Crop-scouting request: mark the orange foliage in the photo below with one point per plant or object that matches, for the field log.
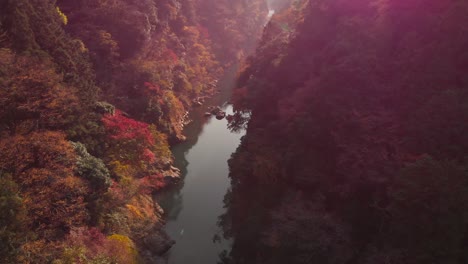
(89, 245)
(151, 183)
(42, 165)
(125, 251)
(34, 96)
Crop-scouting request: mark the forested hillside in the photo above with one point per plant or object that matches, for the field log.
(357, 137)
(92, 92)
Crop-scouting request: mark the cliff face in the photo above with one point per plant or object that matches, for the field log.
(355, 147)
(92, 93)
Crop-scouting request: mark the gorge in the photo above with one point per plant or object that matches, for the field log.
(341, 136)
(93, 96)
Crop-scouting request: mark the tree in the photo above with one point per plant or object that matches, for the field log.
(429, 200)
(12, 218)
(42, 165)
(91, 168)
(34, 95)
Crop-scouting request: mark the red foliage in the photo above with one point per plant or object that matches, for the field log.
(91, 245)
(42, 164)
(91, 238)
(152, 183)
(204, 31)
(152, 88)
(124, 128)
(172, 56)
(117, 193)
(149, 156)
(135, 141)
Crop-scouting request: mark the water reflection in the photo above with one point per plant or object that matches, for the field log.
(192, 208)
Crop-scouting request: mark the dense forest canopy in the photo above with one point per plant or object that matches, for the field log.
(355, 115)
(356, 144)
(92, 93)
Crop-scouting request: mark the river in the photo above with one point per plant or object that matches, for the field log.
(192, 209)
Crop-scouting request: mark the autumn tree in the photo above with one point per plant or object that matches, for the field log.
(12, 218)
(42, 164)
(358, 107)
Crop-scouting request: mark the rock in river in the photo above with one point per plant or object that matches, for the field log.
(172, 174)
(158, 242)
(220, 115)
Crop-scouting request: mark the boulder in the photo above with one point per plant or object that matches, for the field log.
(172, 168)
(180, 138)
(216, 110)
(220, 115)
(158, 242)
(171, 175)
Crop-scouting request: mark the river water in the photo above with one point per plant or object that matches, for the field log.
(192, 209)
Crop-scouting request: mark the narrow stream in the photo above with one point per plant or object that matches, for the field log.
(192, 209)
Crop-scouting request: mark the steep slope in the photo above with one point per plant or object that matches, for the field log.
(356, 137)
(92, 93)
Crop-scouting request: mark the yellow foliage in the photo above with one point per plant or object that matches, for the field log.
(135, 211)
(107, 43)
(126, 181)
(125, 250)
(161, 148)
(81, 46)
(199, 48)
(145, 206)
(72, 255)
(125, 240)
(120, 169)
(192, 32)
(63, 17)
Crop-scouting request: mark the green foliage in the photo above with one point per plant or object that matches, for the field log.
(11, 218)
(91, 168)
(105, 108)
(11, 202)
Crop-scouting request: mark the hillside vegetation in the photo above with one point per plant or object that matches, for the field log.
(356, 145)
(92, 92)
